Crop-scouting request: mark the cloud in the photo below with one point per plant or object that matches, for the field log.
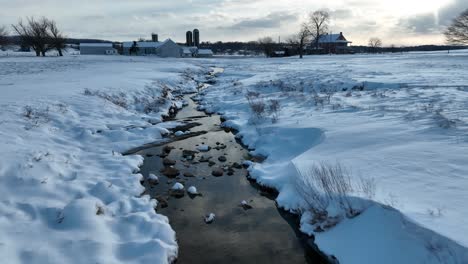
(448, 13)
(422, 24)
(272, 20)
(433, 23)
(341, 14)
(229, 19)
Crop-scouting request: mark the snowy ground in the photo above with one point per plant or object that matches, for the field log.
(400, 119)
(68, 196)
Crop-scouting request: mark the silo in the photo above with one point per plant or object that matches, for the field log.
(189, 37)
(196, 37)
(154, 37)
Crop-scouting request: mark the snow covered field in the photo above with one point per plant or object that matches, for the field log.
(398, 122)
(68, 196)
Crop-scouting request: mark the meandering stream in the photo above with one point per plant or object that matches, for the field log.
(261, 234)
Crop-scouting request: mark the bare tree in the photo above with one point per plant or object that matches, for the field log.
(375, 43)
(3, 36)
(301, 39)
(57, 39)
(34, 33)
(318, 25)
(457, 33)
(267, 45)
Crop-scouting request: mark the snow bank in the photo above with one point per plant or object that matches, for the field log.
(68, 195)
(400, 120)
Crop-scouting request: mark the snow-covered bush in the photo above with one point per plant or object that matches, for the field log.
(119, 99)
(443, 121)
(274, 109)
(328, 190)
(36, 116)
(256, 103)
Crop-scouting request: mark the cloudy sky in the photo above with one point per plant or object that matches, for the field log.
(399, 22)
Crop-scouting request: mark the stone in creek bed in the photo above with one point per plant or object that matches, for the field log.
(230, 172)
(162, 201)
(222, 158)
(189, 154)
(177, 193)
(236, 165)
(189, 175)
(170, 172)
(220, 147)
(246, 206)
(167, 149)
(205, 159)
(211, 163)
(218, 172)
(169, 162)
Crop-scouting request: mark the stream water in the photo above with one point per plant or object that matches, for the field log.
(262, 234)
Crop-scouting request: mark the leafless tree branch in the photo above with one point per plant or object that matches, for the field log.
(3, 36)
(40, 34)
(301, 39)
(457, 33)
(318, 25)
(374, 44)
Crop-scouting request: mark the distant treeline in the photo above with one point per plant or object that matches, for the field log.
(394, 49)
(16, 40)
(255, 47)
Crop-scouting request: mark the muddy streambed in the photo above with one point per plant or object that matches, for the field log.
(261, 234)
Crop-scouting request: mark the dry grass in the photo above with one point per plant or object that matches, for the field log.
(324, 185)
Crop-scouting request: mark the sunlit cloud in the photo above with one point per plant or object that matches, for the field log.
(399, 22)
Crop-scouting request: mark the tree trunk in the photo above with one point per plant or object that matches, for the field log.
(38, 53)
(60, 52)
(43, 53)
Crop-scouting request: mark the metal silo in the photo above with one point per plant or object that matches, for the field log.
(189, 37)
(154, 37)
(196, 37)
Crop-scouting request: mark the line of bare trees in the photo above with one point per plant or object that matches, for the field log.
(40, 34)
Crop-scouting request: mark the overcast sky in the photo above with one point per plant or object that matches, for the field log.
(399, 22)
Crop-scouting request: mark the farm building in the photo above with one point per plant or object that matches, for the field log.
(204, 53)
(189, 52)
(97, 49)
(334, 43)
(167, 48)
